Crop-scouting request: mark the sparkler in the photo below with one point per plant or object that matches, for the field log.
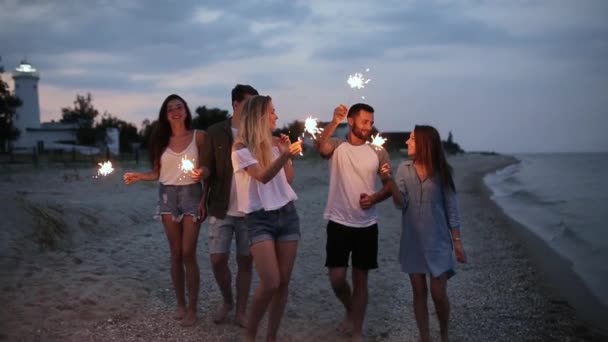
(357, 81)
(105, 168)
(310, 127)
(377, 141)
(187, 165)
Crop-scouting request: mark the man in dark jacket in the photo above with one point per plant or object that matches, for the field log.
(225, 221)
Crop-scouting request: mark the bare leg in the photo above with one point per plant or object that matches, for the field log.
(243, 284)
(173, 230)
(337, 278)
(419, 290)
(359, 302)
(442, 304)
(267, 267)
(286, 256)
(223, 277)
(189, 242)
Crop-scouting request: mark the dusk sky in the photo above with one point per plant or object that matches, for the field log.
(508, 76)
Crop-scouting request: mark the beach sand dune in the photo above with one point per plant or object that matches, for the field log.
(82, 259)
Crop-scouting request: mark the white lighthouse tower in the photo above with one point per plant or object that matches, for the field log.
(28, 114)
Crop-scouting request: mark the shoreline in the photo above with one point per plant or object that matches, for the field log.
(561, 282)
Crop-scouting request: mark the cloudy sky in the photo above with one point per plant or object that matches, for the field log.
(509, 76)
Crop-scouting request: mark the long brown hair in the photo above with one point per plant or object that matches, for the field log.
(254, 132)
(429, 152)
(159, 139)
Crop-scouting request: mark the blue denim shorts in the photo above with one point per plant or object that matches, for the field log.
(221, 233)
(282, 224)
(179, 200)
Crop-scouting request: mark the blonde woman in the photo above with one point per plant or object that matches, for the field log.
(263, 173)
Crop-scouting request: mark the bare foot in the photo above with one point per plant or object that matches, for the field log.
(189, 319)
(179, 312)
(241, 320)
(221, 313)
(346, 327)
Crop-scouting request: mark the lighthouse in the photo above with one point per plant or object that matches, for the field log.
(26, 89)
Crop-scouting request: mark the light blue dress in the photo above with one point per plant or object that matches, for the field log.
(430, 212)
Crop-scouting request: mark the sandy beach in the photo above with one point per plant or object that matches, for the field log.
(82, 259)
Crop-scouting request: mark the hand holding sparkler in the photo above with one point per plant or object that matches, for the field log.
(131, 177)
(287, 147)
(340, 113)
(386, 172)
(197, 174)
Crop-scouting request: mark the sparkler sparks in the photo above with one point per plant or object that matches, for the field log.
(187, 165)
(357, 81)
(105, 168)
(310, 127)
(377, 141)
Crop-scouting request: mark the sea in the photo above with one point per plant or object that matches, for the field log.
(562, 198)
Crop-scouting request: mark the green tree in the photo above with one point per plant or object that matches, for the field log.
(293, 129)
(208, 116)
(8, 106)
(83, 114)
(146, 131)
(127, 132)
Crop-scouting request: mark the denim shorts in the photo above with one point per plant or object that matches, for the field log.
(282, 224)
(179, 200)
(221, 233)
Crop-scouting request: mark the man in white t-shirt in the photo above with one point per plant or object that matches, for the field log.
(354, 166)
(225, 220)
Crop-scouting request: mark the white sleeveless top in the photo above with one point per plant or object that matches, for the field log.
(170, 164)
(254, 195)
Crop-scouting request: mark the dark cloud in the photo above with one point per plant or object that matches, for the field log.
(154, 36)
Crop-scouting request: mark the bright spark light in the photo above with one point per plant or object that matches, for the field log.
(310, 127)
(357, 81)
(105, 168)
(187, 165)
(377, 141)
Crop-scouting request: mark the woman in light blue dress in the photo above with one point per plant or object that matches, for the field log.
(424, 190)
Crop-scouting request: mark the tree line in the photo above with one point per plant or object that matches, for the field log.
(91, 126)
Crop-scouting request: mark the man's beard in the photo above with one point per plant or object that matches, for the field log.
(360, 134)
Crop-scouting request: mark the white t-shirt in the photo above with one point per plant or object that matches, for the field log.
(233, 208)
(254, 195)
(353, 170)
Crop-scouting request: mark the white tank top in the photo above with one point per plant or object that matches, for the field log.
(171, 172)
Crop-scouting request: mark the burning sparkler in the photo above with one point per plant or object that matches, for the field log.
(310, 127)
(377, 141)
(187, 165)
(357, 80)
(105, 168)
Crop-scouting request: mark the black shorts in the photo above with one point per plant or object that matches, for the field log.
(343, 240)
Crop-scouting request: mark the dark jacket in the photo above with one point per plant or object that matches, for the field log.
(216, 157)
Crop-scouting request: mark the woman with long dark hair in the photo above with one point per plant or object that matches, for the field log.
(173, 142)
(424, 190)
